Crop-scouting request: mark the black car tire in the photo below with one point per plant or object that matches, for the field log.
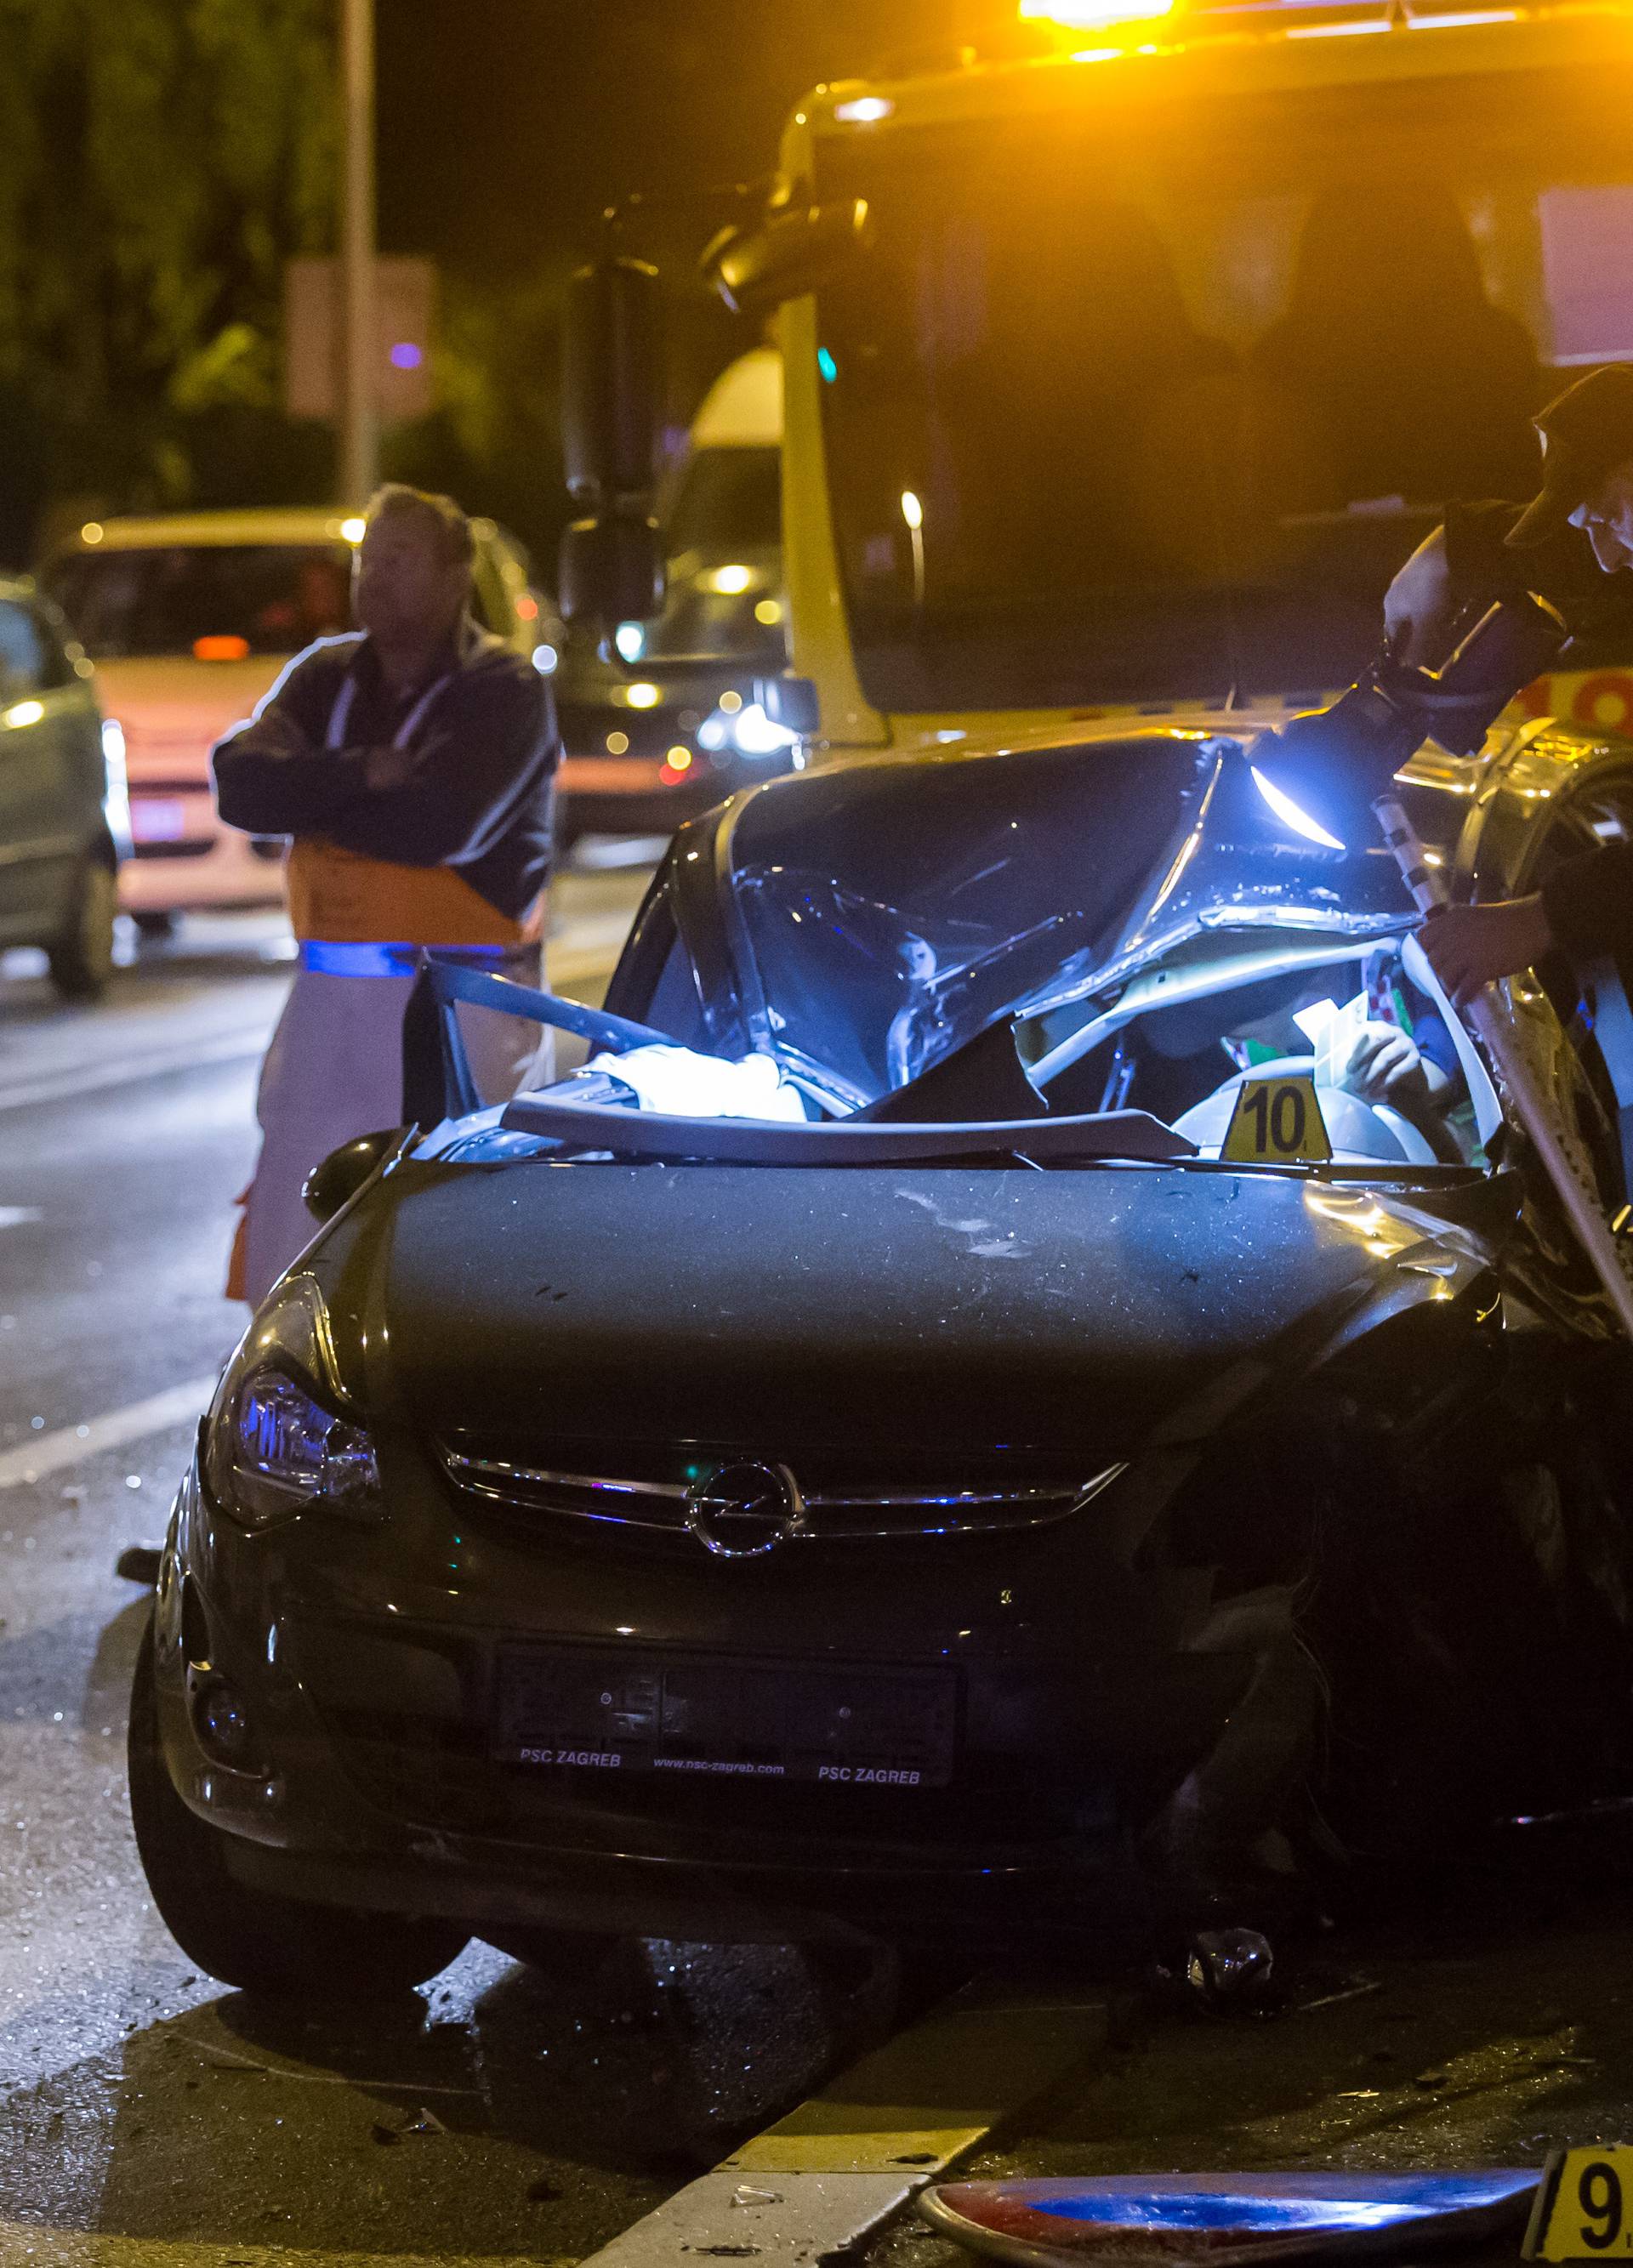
(251, 1939)
(82, 955)
(154, 927)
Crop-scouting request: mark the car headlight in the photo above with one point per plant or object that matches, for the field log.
(116, 788)
(276, 1441)
(747, 729)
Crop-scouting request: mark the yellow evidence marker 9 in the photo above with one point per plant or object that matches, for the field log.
(1277, 1122)
(1584, 2208)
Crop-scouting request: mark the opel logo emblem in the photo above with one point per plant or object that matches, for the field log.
(742, 1512)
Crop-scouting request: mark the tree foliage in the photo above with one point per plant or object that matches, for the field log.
(159, 159)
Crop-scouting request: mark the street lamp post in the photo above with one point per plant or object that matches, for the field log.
(359, 418)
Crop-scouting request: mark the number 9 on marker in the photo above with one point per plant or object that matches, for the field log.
(1584, 2208)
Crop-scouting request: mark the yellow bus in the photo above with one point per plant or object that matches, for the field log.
(1120, 378)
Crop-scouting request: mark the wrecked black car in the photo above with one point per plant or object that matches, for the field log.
(1002, 1455)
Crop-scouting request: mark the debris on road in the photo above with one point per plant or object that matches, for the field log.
(1360, 1992)
(1230, 1968)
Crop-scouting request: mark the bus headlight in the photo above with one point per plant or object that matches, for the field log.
(748, 730)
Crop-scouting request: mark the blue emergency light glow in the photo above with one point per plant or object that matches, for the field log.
(406, 356)
(1231, 2219)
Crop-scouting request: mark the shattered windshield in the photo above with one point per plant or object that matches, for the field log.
(886, 913)
(1148, 402)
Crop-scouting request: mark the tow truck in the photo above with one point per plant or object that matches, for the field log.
(1126, 354)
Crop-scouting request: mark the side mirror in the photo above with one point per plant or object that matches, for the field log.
(612, 382)
(612, 386)
(612, 569)
(755, 270)
(335, 1180)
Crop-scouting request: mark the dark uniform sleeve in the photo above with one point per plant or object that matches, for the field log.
(1485, 568)
(488, 742)
(1588, 899)
(273, 776)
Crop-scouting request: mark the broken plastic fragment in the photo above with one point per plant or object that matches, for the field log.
(744, 2195)
(224, 2060)
(1229, 1967)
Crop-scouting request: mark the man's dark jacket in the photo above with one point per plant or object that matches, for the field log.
(479, 799)
(1588, 899)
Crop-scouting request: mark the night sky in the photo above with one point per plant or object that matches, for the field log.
(505, 125)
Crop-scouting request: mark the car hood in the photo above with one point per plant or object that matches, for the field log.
(798, 1308)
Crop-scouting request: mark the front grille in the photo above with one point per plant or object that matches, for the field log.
(173, 850)
(833, 1499)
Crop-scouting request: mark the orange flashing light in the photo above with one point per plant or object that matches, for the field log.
(221, 649)
(1092, 15)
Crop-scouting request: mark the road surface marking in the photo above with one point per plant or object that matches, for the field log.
(51, 1453)
(17, 1216)
(828, 2175)
(930, 2095)
(65, 1086)
(31, 2244)
(788, 2220)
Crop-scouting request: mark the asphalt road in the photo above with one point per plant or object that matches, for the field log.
(138, 2100)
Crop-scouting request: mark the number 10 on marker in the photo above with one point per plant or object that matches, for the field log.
(1584, 2208)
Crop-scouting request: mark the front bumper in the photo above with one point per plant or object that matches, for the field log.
(184, 860)
(369, 1689)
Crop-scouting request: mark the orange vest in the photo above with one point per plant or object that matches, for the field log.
(342, 897)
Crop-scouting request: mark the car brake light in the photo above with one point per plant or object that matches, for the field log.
(220, 649)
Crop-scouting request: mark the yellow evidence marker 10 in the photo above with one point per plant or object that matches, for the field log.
(1277, 1122)
(1584, 2208)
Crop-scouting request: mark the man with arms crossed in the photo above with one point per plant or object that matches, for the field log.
(412, 763)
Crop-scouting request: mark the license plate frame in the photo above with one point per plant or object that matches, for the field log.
(157, 818)
(591, 1711)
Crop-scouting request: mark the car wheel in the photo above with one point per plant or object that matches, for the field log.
(153, 928)
(252, 1939)
(81, 955)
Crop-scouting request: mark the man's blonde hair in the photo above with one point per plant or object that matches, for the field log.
(457, 547)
